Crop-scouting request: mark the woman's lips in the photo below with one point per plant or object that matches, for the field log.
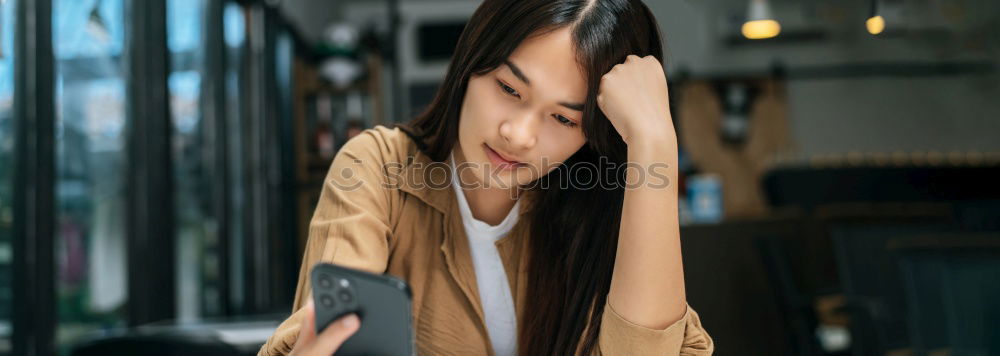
(499, 161)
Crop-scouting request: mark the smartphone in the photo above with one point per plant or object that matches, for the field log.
(382, 302)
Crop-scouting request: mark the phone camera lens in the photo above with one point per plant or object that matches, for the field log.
(324, 281)
(345, 296)
(327, 301)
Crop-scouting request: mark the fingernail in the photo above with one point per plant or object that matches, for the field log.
(350, 321)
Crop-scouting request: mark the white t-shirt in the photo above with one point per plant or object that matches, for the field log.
(494, 290)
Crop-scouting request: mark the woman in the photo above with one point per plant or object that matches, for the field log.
(486, 204)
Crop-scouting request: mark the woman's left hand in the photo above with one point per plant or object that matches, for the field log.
(633, 95)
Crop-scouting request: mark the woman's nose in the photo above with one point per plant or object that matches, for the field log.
(520, 131)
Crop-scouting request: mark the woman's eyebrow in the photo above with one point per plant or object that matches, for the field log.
(573, 106)
(517, 72)
(520, 75)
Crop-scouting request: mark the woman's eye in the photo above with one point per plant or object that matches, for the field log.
(563, 120)
(508, 90)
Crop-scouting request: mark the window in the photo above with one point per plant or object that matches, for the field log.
(234, 34)
(90, 254)
(6, 170)
(194, 155)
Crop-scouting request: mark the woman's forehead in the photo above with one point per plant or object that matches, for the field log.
(549, 61)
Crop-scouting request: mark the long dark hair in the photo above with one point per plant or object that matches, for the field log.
(572, 250)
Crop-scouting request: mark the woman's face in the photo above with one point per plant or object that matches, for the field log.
(527, 109)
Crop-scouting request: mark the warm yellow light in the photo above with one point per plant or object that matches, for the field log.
(875, 25)
(761, 29)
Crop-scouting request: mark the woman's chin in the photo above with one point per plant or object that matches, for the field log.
(501, 180)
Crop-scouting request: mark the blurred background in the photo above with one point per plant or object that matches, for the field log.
(160, 161)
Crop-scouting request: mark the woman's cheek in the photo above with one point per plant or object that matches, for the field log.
(502, 107)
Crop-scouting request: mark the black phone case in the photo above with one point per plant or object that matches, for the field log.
(382, 302)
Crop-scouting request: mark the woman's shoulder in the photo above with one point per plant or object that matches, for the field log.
(382, 144)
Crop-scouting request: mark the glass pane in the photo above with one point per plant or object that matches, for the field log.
(234, 32)
(198, 279)
(90, 146)
(6, 168)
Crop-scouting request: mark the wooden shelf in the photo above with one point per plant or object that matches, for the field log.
(310, 167)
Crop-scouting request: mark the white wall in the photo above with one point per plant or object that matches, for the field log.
(888, 114)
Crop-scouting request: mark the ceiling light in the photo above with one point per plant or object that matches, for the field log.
(875, 22)
(760, 23)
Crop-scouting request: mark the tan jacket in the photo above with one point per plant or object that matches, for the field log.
(380, 211)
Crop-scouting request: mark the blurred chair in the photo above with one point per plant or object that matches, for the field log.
(869, 274)
(157, 345)
(860, 207)
(729, 286)
(797, 309)
(220, 339)
(951, 284)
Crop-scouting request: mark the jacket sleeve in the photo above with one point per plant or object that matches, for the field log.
(622, 337)
(350, 226)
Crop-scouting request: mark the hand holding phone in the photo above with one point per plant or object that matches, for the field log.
(381, 302)
(328, 341)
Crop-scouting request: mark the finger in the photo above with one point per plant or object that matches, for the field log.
(307, 333)
(337, 332)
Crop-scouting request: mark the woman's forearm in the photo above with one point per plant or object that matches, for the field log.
(647, 287)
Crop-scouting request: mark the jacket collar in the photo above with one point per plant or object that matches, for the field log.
(426, 179)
